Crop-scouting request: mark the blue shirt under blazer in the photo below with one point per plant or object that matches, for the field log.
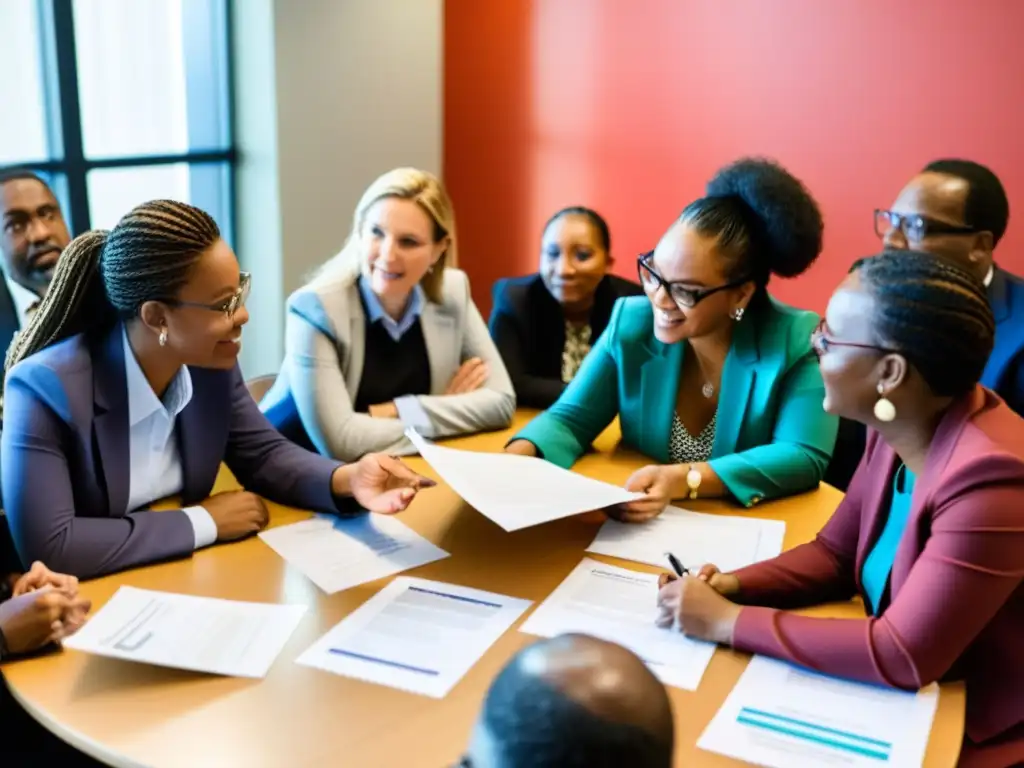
(66, 464)
(772, 437)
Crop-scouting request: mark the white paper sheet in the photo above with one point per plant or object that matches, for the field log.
(728, 541)
(620, 606)
(203, 634)
(417, 635)
(339, 553)
(517, 491)
(784, 717)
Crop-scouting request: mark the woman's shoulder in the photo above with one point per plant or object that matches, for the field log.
(66, 359)
(985, 431)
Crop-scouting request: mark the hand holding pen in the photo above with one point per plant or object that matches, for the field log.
(723, 583)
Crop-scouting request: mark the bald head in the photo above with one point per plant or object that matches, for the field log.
(574, 701)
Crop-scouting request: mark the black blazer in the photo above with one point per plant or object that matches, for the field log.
(528, 327)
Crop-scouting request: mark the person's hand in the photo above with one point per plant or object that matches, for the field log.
(237, 514)
(36, 619)
(724, 583)
(471, 375)
(658, 483)
(521, 448)
(380, 483)
(696, 609)
(40, 576)
(383, 411)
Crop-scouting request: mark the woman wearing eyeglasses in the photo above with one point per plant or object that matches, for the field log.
(125, 389)
(709, 375)
(930, 533)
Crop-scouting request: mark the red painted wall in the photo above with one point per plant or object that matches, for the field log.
(629, 106)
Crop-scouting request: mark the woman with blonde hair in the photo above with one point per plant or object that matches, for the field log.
(386, 336)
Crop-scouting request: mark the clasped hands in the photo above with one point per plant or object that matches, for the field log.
(699, 606)
(45, 608)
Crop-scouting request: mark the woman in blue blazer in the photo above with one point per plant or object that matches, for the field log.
(124, 389)
(709, 375)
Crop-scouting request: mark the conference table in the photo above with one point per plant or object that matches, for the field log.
(126, 714)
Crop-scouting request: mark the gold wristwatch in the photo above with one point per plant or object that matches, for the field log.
(693, 478)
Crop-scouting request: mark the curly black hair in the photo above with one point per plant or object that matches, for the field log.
(986, 208)
(764, 218)
(934, 314)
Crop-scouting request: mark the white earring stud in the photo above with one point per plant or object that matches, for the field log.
(884, 409)
(737, 314)
(162, 338)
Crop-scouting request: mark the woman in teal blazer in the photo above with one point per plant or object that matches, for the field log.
(709, 375)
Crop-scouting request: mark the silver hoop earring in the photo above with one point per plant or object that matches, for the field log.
(737, 314)
(884, 408)
(162, 338)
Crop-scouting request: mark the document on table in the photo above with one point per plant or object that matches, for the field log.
(417, 635)
(620, 606)
(517, 491)
(202, 634)
(337, 553)
(727, 541)
(784, 717)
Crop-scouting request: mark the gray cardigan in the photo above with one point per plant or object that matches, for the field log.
(324, 351)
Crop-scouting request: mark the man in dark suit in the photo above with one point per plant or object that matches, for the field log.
(955, 210)
(573, 701)
(32, 237)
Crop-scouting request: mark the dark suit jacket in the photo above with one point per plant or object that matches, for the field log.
(1004, 373)
(954, 609)
(528, 328)
(65, 459)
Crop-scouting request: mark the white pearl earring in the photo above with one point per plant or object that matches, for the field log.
(162, 338)
(737, 314)
(884, 409)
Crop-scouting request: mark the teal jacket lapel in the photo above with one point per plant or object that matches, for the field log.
(737, 383)
(659, 383)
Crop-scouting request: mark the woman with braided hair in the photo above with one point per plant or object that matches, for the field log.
(125, 388)
(709, 375)
(931, 531)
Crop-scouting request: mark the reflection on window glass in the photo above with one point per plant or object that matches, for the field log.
(115, 191)
(22, 117)
(150, 76)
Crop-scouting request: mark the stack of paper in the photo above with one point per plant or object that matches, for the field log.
(418, 635)
(203, 634)
(621, 606)
(517, 491)
(339, 553)
(784, 717)
(727, 541)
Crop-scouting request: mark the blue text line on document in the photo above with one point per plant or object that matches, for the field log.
(831, 737)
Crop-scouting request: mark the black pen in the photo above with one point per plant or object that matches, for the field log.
(676, 565)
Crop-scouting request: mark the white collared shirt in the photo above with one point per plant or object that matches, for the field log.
(154, 463)
(24, 299)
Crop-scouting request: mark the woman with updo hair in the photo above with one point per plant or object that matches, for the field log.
(709, 375)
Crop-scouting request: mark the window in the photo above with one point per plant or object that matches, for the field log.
(118, 102)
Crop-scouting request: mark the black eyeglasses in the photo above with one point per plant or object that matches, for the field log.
(681, 295)
(228, 306)
(821, 342)
(916, 227)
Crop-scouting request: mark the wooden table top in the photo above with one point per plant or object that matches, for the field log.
(129, 715)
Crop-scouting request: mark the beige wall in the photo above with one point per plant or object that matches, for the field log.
(329, 94)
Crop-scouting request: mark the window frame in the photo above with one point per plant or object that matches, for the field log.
(63, 119)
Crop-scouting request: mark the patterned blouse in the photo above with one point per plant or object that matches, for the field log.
(577, 345)
(684, 448)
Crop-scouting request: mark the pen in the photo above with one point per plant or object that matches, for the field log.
(676, 565)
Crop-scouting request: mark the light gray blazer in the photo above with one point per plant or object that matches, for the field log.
(325, 337)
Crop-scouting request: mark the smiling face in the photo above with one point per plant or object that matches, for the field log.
(200, 330)
(573, 260)
(34, 233)
(689, 259)
(397, 248)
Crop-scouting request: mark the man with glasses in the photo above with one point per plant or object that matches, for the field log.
(573, 701)
(958, 210)
(33, 234)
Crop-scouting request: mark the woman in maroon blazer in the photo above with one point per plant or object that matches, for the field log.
(931, 532)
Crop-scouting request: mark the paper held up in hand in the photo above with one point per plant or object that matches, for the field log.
(517, 491)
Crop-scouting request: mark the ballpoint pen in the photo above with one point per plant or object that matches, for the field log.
(676, 565)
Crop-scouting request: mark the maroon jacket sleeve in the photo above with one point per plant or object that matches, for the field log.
(971, 564)
(817, 572)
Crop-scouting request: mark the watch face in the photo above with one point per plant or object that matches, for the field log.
(693, 478)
